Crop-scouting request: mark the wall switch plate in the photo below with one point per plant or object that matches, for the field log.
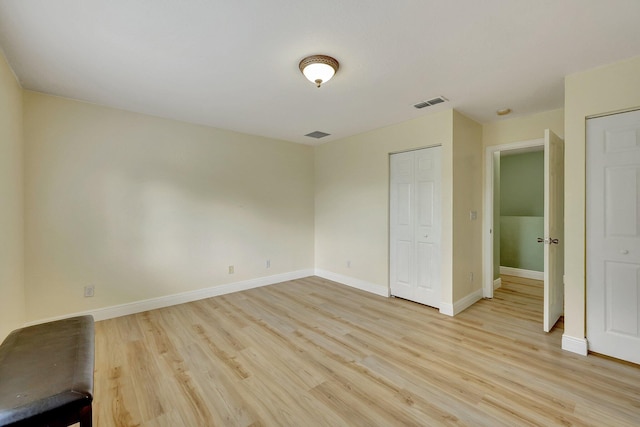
(473, 215)
(89, 291)
(231, 269)
(268, 263)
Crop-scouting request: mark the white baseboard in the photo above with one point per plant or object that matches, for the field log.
(575, 345)
(466, 302)
(497, 284)
(183, 297)
(461, 305)
(353, 282)
(446, 309)
(519, 272)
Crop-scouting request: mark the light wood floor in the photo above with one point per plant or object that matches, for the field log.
(314, 353)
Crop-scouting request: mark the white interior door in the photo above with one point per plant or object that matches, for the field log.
(415, 225)
(553, 229)
(428, 230)
(613, 235)
(401, 225)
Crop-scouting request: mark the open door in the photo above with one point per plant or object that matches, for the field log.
(553, 229)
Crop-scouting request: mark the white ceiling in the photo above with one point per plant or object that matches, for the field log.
(234, 64)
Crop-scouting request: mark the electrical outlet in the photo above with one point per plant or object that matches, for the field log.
(268, 263)
(89, 291)
(349, 264)
(473, 215)
(231, 269)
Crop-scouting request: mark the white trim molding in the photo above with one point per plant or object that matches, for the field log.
(353, 282)
(466, 302)
(460, 305)
(497, 284)
(446, 308)
(181, 298)
(575, 345)
(487, 231)
(519, 272)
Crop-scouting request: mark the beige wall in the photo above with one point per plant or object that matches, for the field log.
(142, 207)
(467, 197)
(352, 200)
(352, 195)
(602, 90)
(506, 131)
(12, 297)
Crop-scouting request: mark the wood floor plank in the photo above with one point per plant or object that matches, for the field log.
(311, 352)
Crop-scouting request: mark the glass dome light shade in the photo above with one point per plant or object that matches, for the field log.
(318, 69)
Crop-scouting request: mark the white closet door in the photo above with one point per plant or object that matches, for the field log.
(415, 228)
(613, 235)
(402, 225)
(427, 228)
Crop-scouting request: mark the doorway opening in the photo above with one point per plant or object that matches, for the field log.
(536, 228)
(514, 220)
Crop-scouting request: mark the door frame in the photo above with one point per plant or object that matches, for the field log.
(487, 231)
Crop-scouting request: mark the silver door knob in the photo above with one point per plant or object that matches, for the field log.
(624, 251)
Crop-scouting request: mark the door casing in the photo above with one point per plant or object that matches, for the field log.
(487, 232)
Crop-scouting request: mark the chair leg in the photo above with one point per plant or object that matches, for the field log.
(86, 417)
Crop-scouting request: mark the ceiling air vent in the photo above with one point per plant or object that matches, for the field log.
(429, 103)
(317, 134)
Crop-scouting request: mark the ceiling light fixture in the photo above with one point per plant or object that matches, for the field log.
(318, 69)
(503, 112)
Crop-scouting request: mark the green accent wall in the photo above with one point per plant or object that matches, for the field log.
(519, 247)
(522, 210)
(522, 184)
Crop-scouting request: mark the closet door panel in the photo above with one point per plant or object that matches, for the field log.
(415, 226)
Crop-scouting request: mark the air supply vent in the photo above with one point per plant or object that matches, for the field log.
(429, 103)
(317, 134)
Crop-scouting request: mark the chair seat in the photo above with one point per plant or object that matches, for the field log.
(46, 373)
